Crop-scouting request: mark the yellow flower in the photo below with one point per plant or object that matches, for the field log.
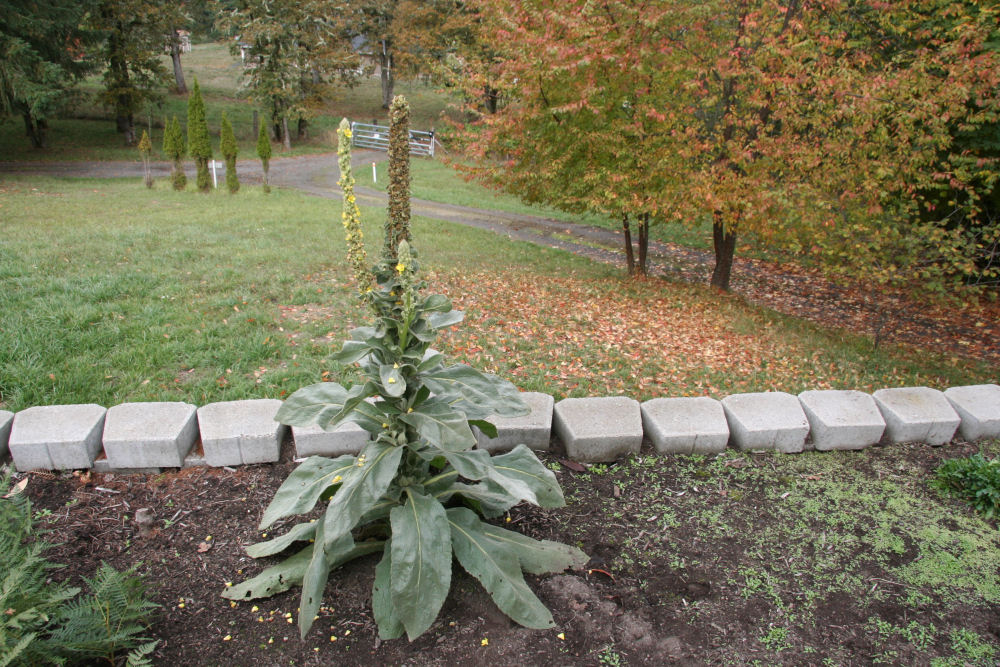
(347, 134)
(400, 267)
(391, 381)
(337, 480)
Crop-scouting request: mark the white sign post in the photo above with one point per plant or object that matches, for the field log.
(215, 180)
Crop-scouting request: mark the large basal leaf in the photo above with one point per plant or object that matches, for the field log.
(353, 350)
(537, 556)
(290, 572)
(389, 625)
(478, 395)
(523, 465)
(362, 488)
(315, 404)
(275, 579)
(421, 561)
(300, 490)
(314, 580)
(477, 464)
(440, 425)
(497, 569)
(436, 303)
(491, 499)
(301, 532)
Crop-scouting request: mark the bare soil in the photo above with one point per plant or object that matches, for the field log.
(636, 602)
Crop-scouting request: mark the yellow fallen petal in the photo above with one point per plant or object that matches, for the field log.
(561, 635)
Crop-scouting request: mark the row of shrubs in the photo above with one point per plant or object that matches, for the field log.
(199, 146)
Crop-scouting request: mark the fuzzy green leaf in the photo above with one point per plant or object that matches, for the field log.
(275, 579)
(300, 490)
(352, 351)
(437, 303)
(301, 532)
(441, 425)
(444, 320)
(316, 575)
(523, 465)
(478, 395)
(421, 561)
(314, 404)
(497, 568)
(389, 625)
(363, 487)
(537, 556)
(392, 380)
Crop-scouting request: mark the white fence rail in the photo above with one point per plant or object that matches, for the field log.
(364, 135)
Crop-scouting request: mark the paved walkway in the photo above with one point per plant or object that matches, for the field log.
(787, 289)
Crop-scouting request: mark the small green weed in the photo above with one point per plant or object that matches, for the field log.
(776, 639)
(973, 479)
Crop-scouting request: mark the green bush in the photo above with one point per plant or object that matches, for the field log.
(229, 149)
(416, 492)
(264, 153)
(175, 149)
(199, 144)
(975, 480)
(45, 622)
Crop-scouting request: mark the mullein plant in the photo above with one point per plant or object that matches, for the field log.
(418, 491)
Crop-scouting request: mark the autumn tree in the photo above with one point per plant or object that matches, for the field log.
(199, 143)
(770, 119)
(229, 150)
(264, 153)
(40, 48)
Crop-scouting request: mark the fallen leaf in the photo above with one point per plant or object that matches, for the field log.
(17, 488)
(203, 547)
(573, 465)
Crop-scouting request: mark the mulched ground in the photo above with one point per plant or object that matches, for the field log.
(608, 613)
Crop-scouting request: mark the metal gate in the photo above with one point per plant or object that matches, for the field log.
(365, 135)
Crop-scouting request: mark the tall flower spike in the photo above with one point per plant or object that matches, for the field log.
(351, 216)
(397, 223)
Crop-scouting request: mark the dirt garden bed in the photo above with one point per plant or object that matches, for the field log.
(846, 558)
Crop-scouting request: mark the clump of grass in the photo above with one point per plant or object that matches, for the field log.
(973, 479)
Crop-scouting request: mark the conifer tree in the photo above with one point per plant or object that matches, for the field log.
(145, 148)
(199, 144)
(228, 148)
(264, 153)
(175, 150)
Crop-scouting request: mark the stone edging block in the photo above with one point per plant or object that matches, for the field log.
(149, 435)
(685, 425)
(917, 414)
(347, 438)
(6, 419)
(533, 429)
(842, 419)
(978, 406)
(598, 429)
(240, 432)
(766, 420)
(56, 437)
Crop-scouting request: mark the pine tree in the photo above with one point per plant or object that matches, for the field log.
(175, 149)
(199, 144)
(264, 153)
(228, 148)
(145, 148)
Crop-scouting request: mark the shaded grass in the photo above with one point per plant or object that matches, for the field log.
(110, 292)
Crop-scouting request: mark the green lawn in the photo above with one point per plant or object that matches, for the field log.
(110, 292)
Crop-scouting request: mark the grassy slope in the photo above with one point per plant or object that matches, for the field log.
(110, 292)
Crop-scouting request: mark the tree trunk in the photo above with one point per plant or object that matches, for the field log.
(301, 129)
(126, 126)
(286, 138)
(641, 268)
(629, 256)
(490, 99)
(175, 55)
(35, 130)
(388, 79)
(725, 248)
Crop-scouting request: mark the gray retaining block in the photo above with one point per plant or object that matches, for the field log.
(598, 429)
(347, 438)
(766, 420)
(685, 425)
(6, 419)
(149, 435)
(56, 437)
(917, 414)
(842, 419)
(239, 432)
(977, 405)
(533, 429)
